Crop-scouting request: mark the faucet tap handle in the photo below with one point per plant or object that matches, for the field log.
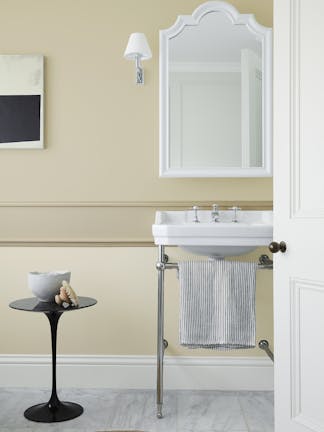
(215, 213)
(195, 209)
(235, 210)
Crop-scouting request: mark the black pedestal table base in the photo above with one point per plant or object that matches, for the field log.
(46, 413)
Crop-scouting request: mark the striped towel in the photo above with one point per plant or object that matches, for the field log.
(217, 304)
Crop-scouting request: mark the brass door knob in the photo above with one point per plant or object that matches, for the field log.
(275, 247)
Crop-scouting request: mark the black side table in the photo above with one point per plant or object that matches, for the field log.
(54, 410)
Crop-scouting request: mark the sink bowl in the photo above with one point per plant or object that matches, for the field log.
(215, 239)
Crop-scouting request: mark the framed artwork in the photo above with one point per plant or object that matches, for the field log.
(21, 101)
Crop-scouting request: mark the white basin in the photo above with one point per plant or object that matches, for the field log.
(215, 239)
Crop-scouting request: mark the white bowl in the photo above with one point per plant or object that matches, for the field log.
(46, 285)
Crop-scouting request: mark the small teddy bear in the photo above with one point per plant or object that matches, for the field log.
(67, 295)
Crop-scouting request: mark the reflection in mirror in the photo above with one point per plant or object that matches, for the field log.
(215, 78)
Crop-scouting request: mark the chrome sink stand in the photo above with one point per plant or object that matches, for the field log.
(162, 265)
(160, 336)
(161, 342)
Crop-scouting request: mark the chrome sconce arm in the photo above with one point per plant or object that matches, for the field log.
(139, 71)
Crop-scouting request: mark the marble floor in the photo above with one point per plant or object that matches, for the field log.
(134, 410)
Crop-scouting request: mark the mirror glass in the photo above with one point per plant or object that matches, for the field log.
(214, 80)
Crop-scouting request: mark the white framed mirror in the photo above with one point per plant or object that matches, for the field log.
(216, 95)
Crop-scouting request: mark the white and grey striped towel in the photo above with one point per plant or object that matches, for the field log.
(217, 304)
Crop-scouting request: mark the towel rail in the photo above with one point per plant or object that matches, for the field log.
(264, 263)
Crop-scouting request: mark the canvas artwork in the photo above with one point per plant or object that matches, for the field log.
(21, 101)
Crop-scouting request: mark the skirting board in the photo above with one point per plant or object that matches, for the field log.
(121, 372)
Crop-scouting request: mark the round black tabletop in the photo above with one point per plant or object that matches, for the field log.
(32, 304)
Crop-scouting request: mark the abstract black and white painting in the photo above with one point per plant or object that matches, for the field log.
(21, 101)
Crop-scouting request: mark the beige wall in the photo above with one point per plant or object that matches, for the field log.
(124, 320)
(101, 130)
(97, 180)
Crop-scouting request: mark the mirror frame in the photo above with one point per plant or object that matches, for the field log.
(265, 36)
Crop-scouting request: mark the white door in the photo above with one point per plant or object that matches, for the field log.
(299, 214)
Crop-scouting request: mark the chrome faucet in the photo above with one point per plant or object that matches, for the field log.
(235, 210)
(195, 209)
(215, 213)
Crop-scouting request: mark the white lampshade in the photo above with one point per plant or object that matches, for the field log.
(137, 46)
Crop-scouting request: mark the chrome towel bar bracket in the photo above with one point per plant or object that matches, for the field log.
(264, 345)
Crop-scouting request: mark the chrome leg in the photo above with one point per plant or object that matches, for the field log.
(161, 342)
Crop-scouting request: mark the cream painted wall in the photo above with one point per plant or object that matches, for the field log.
(101, 130)
(99, 168)
(124, 281)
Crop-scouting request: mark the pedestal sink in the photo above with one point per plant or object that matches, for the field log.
(215, 239)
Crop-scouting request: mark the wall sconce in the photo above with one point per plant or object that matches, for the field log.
(138, 49)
